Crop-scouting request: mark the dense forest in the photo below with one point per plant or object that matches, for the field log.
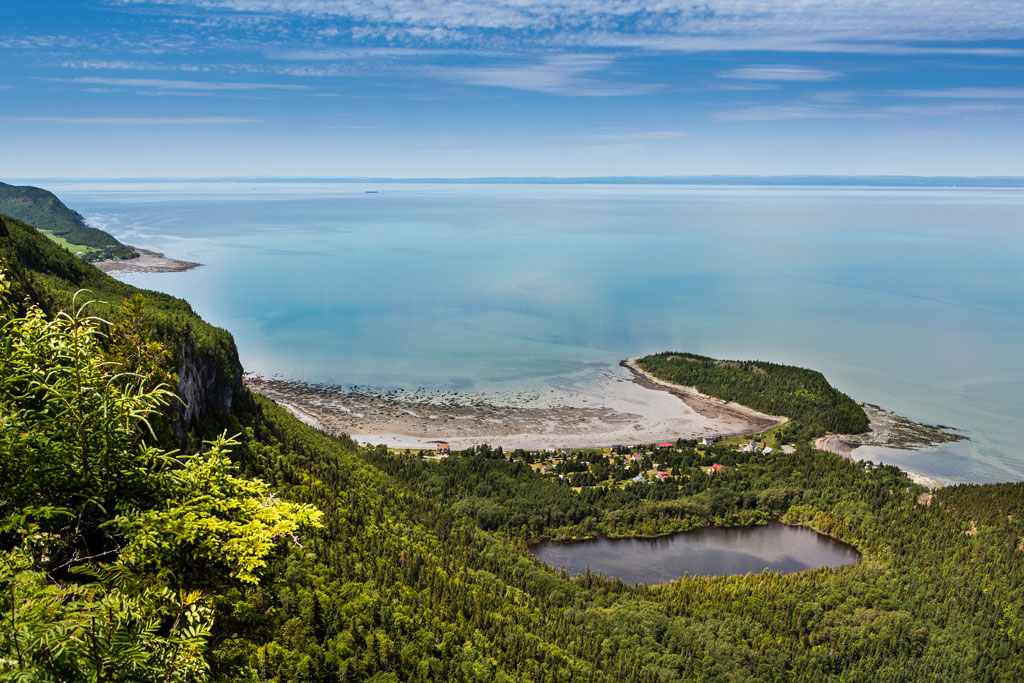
(285, 554)
(813, 405)
(43, 210)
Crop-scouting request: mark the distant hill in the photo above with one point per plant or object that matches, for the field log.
(43, 210)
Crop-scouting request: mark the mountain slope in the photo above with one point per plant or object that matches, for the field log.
(42, 209)
(207, 365)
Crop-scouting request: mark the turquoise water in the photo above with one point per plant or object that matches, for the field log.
(912, 299)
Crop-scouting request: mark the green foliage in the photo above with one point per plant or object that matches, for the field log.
(111, 627)
(42, 209)
(70, 418)
(112, 549)
(802, 395)
(210, 522)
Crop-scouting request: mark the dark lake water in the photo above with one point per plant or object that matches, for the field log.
(706, 552)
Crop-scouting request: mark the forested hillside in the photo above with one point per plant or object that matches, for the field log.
(122, 560)
(43, 210)
(205, 358)
(802, 395)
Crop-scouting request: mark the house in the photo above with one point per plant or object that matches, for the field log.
(708, 441)
(769, 451)
(715, 468)
(639, 479)
(443, 448)
(665, 445)
(664, 475)
(751, 447)
(635, 457)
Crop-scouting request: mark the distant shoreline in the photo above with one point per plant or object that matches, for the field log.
(879, 181)
(146, 262)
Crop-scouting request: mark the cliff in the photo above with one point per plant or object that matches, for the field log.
(209, 372)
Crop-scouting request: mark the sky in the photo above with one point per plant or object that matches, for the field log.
(425, 88)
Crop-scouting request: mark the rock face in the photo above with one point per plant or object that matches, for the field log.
(209, 383)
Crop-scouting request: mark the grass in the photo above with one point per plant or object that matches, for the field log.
(70, 246)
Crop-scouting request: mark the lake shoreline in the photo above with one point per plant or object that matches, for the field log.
(703, 553)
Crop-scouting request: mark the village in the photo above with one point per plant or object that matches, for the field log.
(620, 465)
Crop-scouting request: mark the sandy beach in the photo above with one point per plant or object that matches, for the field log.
(622, 406)
(147, 262)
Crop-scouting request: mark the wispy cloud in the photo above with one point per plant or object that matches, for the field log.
(788, 42)
(134, 120)
(570, 75)
(794, 111)
(965, 93)
(345, 54)
(165, 84)
(633, 134)
(936, 26)
(780, 73)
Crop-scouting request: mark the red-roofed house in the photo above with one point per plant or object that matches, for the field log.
(663, 475)
(717, 468)
(665, 445)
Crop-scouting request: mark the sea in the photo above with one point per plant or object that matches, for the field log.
(909, 298)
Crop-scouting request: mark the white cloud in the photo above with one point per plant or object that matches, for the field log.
(558, 75)
(803, 43)
(780, 73)
(165, 84)
(344, 54)
(805, 25)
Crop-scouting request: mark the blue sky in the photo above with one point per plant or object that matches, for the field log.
(400, 88)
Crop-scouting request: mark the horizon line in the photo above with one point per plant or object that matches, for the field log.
(1001, 181)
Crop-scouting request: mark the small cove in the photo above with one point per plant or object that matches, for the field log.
(710, 551)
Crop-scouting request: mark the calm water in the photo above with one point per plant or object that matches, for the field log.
(702, 552)
(912, 299)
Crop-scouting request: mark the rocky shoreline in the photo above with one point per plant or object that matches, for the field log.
(146, 262)
(889, 430)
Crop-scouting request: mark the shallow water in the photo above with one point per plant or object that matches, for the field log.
(710, 551)
(911, 299)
